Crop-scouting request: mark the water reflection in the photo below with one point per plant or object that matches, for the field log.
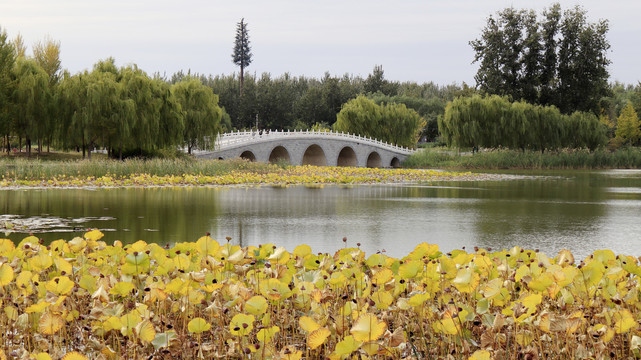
(580, 211)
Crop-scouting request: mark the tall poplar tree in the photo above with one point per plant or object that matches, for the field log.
(7, 62)
(242, 55)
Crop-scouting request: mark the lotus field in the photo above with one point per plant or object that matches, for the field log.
(84, 299)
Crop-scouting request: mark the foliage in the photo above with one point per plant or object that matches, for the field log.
(495, 122)
(242, 56)
(162, 172)
(627, 158)
(559, 59)
(7, 61)
(200, 112)
(392, 123)
(144, 300)
(628, 126)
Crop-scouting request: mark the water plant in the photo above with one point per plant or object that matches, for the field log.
(83, 298)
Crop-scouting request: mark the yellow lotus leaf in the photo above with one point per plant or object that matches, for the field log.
(163, 339)
(50, 323)
(42, 356)
(74, 355)
(129, 322)
(466, 280)
(447, 268)
(60, 285)
(146, 331)
(274, 289)
(77, 244)
(541, 282)
(290, 353)
(6, 247)
(623, 321)
(375, 260)
(317, 337)
(383, 276)
(195, 296)
(63, 265)
(280, 256)
(302, 251)
(88, 283)
(256, 305)
(592, 273)
(40, 261)
(492, 288)
(410, 269)
(207, 245)
(602, 331)
(347, 346)
(122, 288)
(567, 324)
(308, 324)
(603, 256)
(176, 286)
(112, 323)
(39, 307)
(521, 272)
(424, 250)
(198, 325)
(6, 275)
(237, 256)
(94, 235)
(417, 300)
(265, 335)
(241, 324)
(182, 262)
(368, 328)
(382, 299)
(480, 355)
(531, 302)
(447, 326)
(11, 312)
(137, 247)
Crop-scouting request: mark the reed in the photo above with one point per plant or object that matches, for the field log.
(629, 158)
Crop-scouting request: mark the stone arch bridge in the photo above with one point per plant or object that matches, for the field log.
(320, 148)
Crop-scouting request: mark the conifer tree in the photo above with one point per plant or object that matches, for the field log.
(242, 55)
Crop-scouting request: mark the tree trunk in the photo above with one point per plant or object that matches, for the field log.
(28, 144)
(19, 143)
(242, 78)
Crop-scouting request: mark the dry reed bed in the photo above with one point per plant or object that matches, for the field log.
(84, 299)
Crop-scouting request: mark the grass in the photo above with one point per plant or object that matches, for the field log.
(509, 159)
(85, 299)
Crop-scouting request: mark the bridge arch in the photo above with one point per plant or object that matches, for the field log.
(314, 155)
(347, 157)
(396, 163)
(248, 155)
(279, 153)
(374, 160)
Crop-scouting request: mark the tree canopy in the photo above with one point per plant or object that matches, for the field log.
(242, 56)
(392, 123)
(558, 58)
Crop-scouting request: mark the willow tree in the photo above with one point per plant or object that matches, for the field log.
(7, 61)
(47, 54)
(200, 112)
(31, 97)
(392, 123)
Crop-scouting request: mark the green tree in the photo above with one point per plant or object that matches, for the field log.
(628, 126)
(7, 62)
(376, 82)
(200, 112)
(558, 60)
(47, 54)
(392, 123)
(31, 97)
(242, 56)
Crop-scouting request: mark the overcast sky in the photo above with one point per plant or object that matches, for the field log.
(415, 40)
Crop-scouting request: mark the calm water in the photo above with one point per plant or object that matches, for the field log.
(580, 211)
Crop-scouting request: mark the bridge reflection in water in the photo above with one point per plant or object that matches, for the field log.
(320, 148)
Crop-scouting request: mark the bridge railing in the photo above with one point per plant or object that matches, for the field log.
(232, 138)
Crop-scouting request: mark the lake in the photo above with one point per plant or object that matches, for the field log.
(581, 211)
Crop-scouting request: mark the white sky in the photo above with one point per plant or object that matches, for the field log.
(413, 40)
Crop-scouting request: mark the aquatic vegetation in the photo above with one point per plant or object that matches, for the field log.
(266, 175)
(84, 299)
